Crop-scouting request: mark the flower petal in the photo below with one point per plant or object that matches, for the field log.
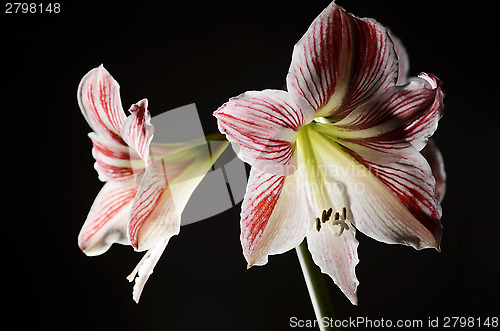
(273, 217)
(401, 116)
(108, 217)
(435, 159)
(341, 62)
(154, 217)
(392, 203)
(137, 130)
(403, 60)
(99, 100)
(336, 256)
(264, 125)
(114, 161)
(165, 189)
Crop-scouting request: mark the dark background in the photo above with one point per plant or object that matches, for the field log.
(206, 52)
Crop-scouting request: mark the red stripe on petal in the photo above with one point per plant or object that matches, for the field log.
(154, 217)
(341, 62)
(99, 100)
(108, 217)
(265, 125)
(273, 217)
(137, 130)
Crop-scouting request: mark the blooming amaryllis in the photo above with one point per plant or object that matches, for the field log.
(147, 184)
(340, 150)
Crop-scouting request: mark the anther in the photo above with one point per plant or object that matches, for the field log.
(337, 216)
(344, 212)
(323, 216)
(318, 224)
(329, 213)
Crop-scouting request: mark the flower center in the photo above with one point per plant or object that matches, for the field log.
(324, 193)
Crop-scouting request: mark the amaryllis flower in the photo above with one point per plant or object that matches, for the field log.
(339, 151)
(147, 184)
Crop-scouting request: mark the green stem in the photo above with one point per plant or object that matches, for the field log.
(316, 286)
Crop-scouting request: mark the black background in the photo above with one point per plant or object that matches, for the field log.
(206, 52)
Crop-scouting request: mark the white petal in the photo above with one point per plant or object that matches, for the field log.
(265, 125)
(274, 216)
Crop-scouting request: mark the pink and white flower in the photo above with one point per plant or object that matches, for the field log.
(147, 184)
(340, 150)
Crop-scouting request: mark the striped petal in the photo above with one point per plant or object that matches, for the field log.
(264, 125)
(403, 116)
(274, 216)
(393, 203)
(403, 59)
(114, 161)
(341, 62)
(154, 217)
(99, 100)
(137, 130)
(337, 256)
(165, 189)
(108, 217)
(435, 159)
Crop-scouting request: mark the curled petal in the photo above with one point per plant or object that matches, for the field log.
(402, 116)
(137, 130)
(435, 159)
(273, 217)
(99, 100)
(337, 256)
(108, 217)
(114, 161)
(403, 60)
(265, 125)
(341, 62)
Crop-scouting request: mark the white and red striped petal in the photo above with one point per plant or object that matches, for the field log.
(154, 217)
(274, 216)
(114, 161)
(341, 62)
(265, 125)
(108, 217)
(100, 103)
(393, 203)
(403, 59)
(337, 256)
(433, 156)
(137, 130)
(401, 117)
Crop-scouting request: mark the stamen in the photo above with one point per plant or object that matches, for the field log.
(318, 224)
(341, 221)
(136, 269)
